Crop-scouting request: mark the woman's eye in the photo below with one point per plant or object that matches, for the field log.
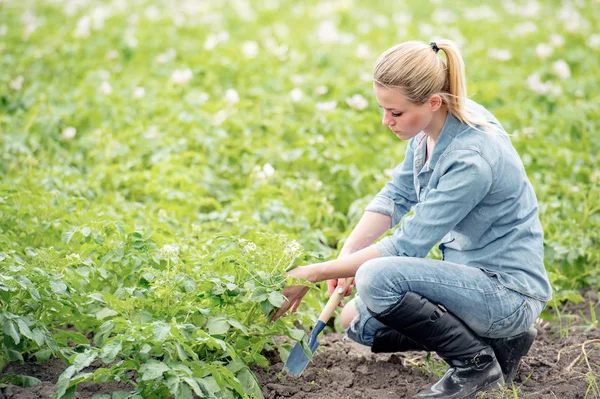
(396, 115)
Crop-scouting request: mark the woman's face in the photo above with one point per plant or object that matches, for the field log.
(403, 118)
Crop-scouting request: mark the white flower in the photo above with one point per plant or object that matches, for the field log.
(165, 57)
(357, 102)
(268, 170)
(83, 27)
(363, 28)
(366, 76)
(250, 49)
(380, 21)
(152, 13)
(593, 41)
(499, 54)
(250, 247)
(443, 16)
(535, 83)
(297, 79)
(327, 105)
(293, 248)
(17, 83)
(479, 13)
(112, 54)
(106, 88)
(544, 50)
(181, 76)
(321, 90)
(525, 28)
(557, 40)
(151, 134)
(296, 95)
(169, 251)
(68, 133)
(220, 117)
(402, 18)
(139, 92)
(562, 70)
(362, 51)
(3, 30)
(232, 96)
(318, 139)
(426, 30)
(73, 258)
(328, 32)
(213, 40)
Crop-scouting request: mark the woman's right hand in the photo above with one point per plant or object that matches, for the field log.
(332, 285)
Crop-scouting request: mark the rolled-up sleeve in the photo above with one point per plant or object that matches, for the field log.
(398, 195)
(466, 179)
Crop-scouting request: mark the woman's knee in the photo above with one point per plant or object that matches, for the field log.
(349, 313)
(366, 277)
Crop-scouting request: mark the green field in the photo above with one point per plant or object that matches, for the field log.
(163, 163)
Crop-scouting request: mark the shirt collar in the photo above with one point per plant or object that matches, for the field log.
(449, 130)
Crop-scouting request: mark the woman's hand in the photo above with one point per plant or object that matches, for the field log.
(293, 294)
(310, 273)
(335, 283)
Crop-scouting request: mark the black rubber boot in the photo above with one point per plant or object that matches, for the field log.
(388, 340)
(473, 365)
(509, 351)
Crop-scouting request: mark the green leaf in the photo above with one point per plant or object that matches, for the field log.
(86, 231)
(63, 336)
(276, 298)
(104, 313)
(238, 325)
(110, 351)
(22, 380)
(249, 382)
(10, 328)
(103, 396)
(67, 236)
(63, 382)
(83, 360)
(152, 370)
(43, 355)
(14, 356)
(296, 334)
(161, 331)
(217, 325)
(58, 287)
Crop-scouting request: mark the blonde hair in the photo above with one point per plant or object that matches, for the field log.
(415, 69)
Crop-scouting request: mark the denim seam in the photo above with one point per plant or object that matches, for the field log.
(441, 283)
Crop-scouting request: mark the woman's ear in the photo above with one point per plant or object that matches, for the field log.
(435, 102)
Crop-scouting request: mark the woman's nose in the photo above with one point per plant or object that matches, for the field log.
(387, 119)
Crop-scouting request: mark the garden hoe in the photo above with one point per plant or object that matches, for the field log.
(298, 360)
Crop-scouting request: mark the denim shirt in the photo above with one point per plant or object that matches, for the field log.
(474, 198)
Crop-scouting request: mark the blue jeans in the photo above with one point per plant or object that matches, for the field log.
(477, 298)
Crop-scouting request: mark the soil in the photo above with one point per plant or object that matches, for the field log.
(558, 366)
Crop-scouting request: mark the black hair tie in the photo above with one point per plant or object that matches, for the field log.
(434, 47)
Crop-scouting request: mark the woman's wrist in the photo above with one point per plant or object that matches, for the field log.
(320, 272)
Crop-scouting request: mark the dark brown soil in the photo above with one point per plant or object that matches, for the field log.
(556, 367)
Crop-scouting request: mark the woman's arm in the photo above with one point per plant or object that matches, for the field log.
(369, 228)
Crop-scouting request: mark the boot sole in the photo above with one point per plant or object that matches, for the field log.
(499, 383)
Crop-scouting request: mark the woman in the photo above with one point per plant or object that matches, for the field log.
(469, 191)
